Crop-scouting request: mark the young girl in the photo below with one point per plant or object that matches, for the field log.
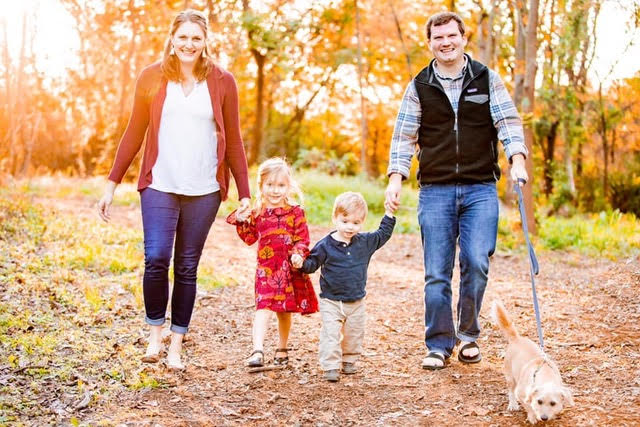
(280, 227)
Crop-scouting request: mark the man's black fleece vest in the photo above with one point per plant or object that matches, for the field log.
(462, 149)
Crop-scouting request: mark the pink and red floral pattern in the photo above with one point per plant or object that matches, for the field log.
(280, 233)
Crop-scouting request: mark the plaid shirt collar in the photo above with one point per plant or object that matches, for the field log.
(459, 76)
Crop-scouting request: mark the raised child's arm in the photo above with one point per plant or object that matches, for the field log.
(376, 239)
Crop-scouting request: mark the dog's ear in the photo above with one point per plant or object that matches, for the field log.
(567, 396)
(528, 395)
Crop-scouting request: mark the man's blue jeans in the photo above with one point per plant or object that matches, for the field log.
(468, 214)
(187, 220)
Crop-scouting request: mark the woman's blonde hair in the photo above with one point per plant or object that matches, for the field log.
(278, 166)
(171, 64)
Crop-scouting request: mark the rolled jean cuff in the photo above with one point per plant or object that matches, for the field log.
(156, 322)
(179, 329)
(468, 338)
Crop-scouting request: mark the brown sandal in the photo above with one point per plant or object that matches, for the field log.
(281, 360)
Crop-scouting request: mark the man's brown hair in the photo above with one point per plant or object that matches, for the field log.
(443, 18)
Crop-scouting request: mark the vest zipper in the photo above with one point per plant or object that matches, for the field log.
(464, 87)
(455, 130)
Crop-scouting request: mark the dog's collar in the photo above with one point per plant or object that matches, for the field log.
(545, 360)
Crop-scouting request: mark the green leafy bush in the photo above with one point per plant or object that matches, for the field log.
(330, 163)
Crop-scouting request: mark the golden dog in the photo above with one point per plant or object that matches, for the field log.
(532, 378)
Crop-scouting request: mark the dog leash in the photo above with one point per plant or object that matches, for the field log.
(533, 261)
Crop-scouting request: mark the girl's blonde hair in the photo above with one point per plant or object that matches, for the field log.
(278, 166)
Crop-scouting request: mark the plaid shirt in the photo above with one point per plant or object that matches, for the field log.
(503, 112)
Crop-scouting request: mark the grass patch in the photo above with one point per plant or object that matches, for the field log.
(58, 301)
(320, 191)
(208, 279)
(77, 188)
(610, 234)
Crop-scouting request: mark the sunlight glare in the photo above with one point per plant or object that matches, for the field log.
(50, 30)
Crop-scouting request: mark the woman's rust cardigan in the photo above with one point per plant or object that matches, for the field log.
(151, 91)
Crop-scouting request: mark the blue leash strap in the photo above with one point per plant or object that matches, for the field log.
(533, 264)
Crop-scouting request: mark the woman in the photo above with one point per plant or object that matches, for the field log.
(188, 109)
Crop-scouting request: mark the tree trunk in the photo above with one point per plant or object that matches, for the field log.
(407, 56)
(5, 143)
(255, 148)
(605, 143)
(364, 163)
(549, 154)
(568, 157)
(125, 78)
(17, 126)
(26, 162)
(579, 158)
(520, 51)
(258, 130)
(528, 106)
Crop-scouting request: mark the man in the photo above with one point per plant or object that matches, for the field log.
(454, 111)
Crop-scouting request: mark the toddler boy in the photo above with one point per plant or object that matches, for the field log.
(343, 256)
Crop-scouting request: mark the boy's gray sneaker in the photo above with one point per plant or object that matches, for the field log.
(349, 368)
(332, 375)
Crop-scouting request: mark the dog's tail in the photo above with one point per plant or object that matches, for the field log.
(501, 318)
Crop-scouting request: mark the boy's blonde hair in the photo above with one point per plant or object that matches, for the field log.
(349, 203)
(278, 166)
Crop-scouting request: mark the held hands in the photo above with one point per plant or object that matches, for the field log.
(296, 260)
(518, 170)
(392, 193)
(105, 202)
(244, 210)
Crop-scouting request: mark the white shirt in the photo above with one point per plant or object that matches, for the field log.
(187, 143)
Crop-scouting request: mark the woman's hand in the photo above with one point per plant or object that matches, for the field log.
(105, 202)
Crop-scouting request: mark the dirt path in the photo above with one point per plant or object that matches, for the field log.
(590, 308)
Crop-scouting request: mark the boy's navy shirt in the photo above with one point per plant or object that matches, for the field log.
(343, 273)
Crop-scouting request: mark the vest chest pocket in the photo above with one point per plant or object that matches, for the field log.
(477, 99)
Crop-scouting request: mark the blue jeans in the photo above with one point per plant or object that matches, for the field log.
(187, 220)
(450, 213)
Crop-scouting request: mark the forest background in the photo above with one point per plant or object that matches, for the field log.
(320, 83)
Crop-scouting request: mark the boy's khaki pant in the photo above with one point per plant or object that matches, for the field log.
(342, 332)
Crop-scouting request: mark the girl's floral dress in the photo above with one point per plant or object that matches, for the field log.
(280, 232)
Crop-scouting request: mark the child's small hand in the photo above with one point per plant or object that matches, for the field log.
(244, 210)
(296, 260)
(241, 217)
(388, 210)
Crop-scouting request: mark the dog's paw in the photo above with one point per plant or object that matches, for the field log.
(513, 406)
(531, 418)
